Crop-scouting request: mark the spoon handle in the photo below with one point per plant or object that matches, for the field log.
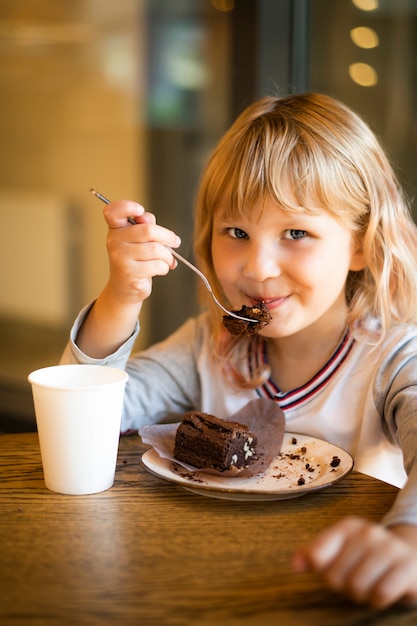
(186, 262)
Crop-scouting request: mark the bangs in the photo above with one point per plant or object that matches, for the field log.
(292, 165)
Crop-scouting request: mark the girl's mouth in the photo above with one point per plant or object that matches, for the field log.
(269, 302)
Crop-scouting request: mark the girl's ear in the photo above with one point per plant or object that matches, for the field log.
(358, 261)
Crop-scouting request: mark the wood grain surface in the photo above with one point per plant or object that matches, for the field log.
(148, 552)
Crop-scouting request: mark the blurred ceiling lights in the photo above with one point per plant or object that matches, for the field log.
(364, 37)
(363, 74)
(366, 5)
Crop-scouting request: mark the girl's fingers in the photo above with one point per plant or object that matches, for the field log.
(145, 218)
(137, 252)
(325, 547)
(116, 213)
(145, 240)
(365, 561)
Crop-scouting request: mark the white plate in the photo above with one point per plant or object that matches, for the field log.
(301, 456)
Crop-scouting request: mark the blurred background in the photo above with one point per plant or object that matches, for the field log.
(129, 97)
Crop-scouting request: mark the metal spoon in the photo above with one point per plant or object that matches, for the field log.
(186, 262)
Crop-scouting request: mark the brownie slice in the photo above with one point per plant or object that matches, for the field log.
(259, 312)
(203, 440)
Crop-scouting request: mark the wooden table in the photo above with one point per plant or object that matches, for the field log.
(148, 552)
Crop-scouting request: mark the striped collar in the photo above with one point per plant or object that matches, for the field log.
(293, 398)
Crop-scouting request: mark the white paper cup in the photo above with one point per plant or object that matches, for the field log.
(78, 413)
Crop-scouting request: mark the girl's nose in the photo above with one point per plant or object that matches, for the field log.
(262, 263)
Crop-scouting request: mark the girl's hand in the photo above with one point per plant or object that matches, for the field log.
(136, 253)
(366, 561)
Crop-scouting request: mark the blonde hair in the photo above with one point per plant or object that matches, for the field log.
(329, 158)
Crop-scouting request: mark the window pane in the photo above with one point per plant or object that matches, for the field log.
(364, 52)
(125, 96)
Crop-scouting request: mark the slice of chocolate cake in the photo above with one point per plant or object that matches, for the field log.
(206, 441)
(259, 313)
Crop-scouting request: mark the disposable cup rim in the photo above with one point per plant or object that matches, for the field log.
(34, 377)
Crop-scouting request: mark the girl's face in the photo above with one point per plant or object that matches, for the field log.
(297, 263)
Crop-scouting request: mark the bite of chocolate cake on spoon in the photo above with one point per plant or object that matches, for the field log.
(259, 313)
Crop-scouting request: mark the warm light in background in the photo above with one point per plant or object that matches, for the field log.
(363, 74)
(364, 37)
(223, 5)
(31, 33)
(366, 5)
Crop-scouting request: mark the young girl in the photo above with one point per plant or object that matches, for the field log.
(300, 209)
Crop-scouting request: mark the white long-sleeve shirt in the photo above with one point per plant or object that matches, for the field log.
(364, 399)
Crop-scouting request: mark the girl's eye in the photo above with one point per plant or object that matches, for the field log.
(237, 233)
(293, 233)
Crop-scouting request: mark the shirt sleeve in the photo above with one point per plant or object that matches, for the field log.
(396, 399)
(163, 380)
(73, 355)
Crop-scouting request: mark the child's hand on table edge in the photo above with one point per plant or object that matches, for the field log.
(369, 563)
